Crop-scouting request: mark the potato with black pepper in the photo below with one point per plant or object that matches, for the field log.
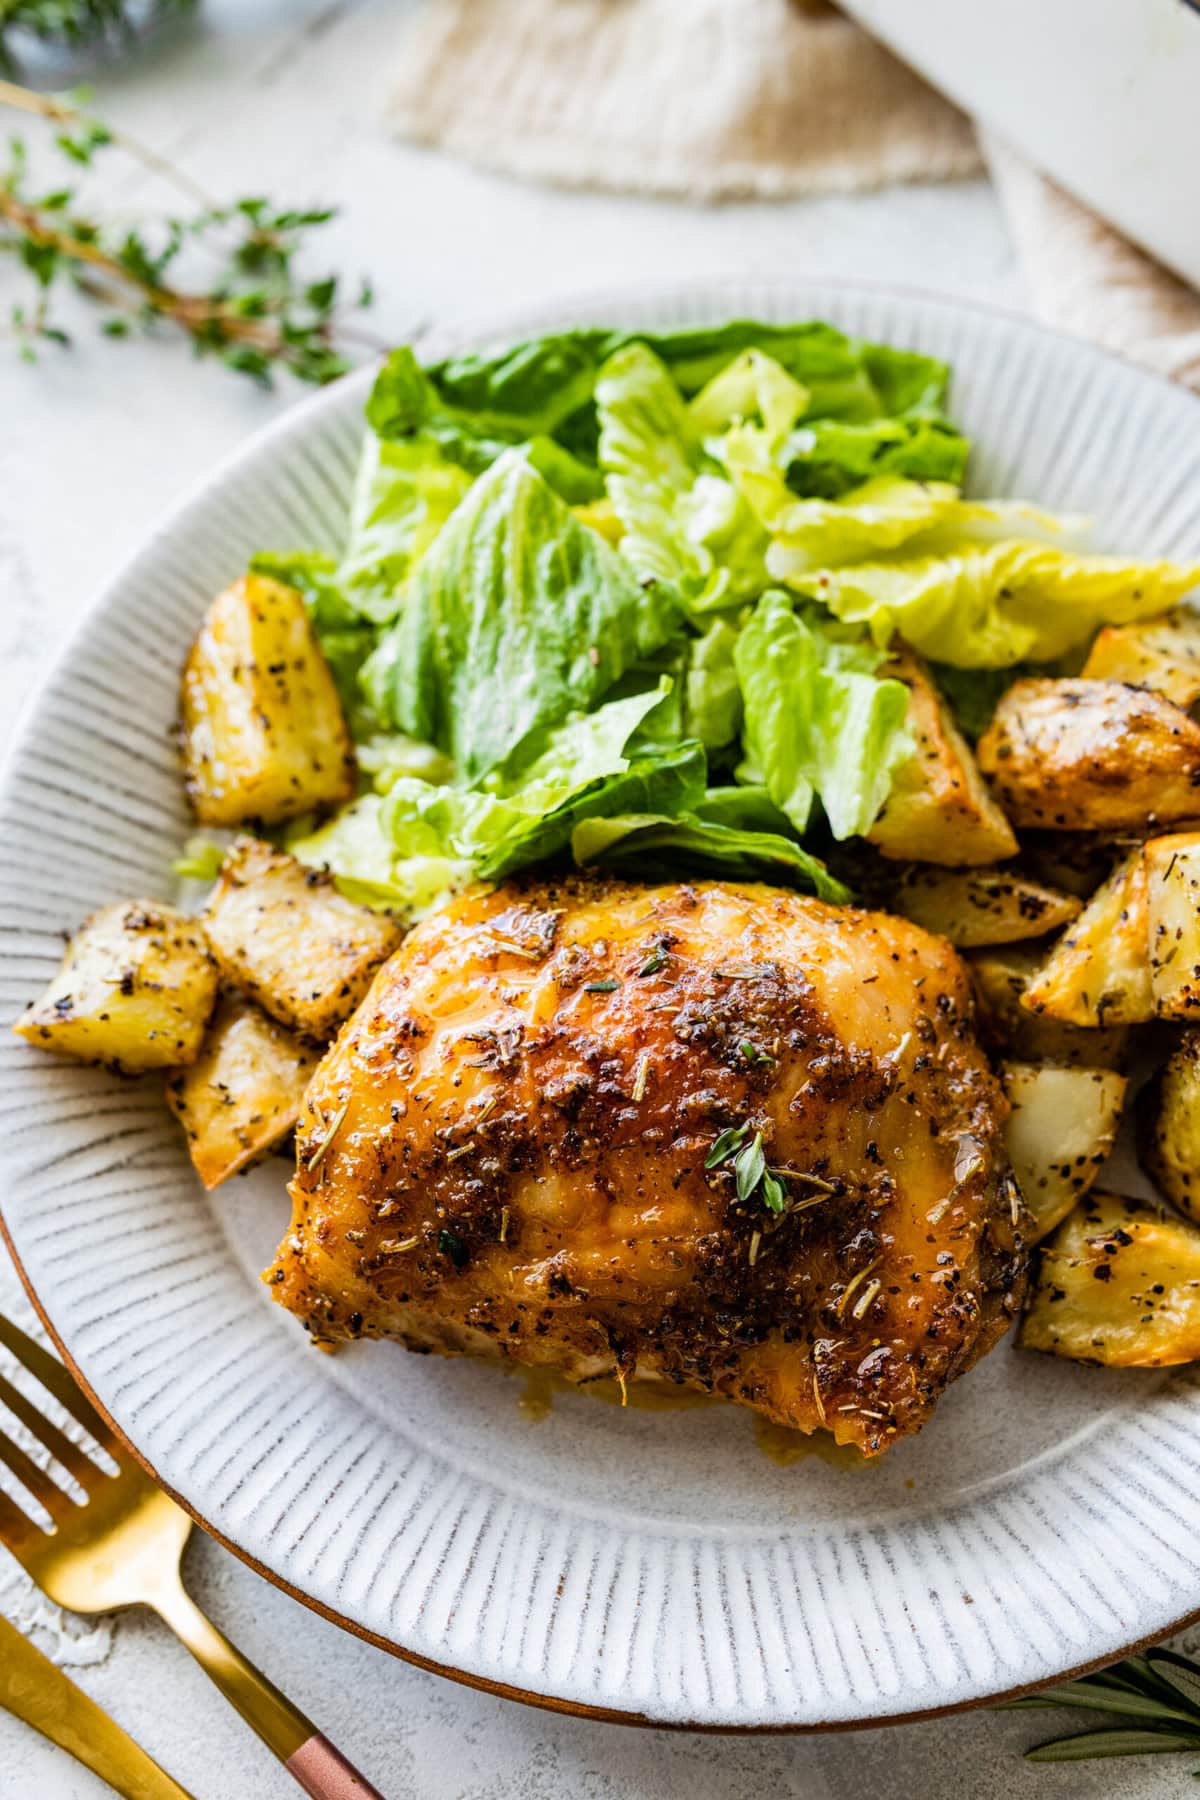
(1168, 1116)
(263, 734)
(975, 907)
(283, 934)
(243, 1093)
(1118, 1284)
(1098, 973)
(1091, 756)
(939, 809)
(1062, 1126)
(135, 991)
(1162, 654)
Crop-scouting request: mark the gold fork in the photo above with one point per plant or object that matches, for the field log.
(122, 1546)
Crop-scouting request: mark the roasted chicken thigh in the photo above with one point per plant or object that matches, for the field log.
(713, 1134)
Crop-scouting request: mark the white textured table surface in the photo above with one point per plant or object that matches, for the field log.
(285, 98)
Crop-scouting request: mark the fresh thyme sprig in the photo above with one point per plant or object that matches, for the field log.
(257, 315)
(70, 24)
(1156, 1696)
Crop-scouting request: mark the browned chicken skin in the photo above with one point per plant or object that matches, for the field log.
(504, 1152)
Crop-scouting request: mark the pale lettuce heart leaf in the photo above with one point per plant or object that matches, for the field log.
(644, 845)
(753, 388)
(818, 719)
(407, 871)
(497, 834)
(516, 617)
(989, 606)
(683, 522)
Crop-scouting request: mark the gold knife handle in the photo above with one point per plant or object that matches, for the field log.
(308, 1756)
(37, 1691)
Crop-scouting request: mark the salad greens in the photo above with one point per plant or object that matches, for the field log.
(626, 597)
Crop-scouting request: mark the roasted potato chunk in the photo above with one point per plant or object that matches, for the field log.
(973, 907)
(243, 1092)
(282, 934)
(1168, 1117)
(135, 990)
(262, 728)
(1091, 756)
(1162, 654)
(1001, 976)
(1173, 918)
(1061, 1128)
(939, 809)
(1099, 971)
(1119, 1284)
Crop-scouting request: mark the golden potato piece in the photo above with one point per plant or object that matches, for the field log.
(262, 728)
(1091, 756)
(1173, 917)
(1099, 971)
(1168, 1115)
(1001, 975)
(973, 907)
(1061, 1128)
(135, 990)
(283, 934)
(1162, 654)
(1119, 1284)
(243, 1092)
(939, 809)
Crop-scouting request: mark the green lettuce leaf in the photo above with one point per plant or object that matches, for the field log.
(516, 616)
(712, 706)
(498, 834)
(546, 385)
(989, 606)
(645, 845)
(825, 458)
(406, 870)
(819, 721)
(683, 522)
(403, 494)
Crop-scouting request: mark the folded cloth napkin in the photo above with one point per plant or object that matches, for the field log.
(708, 99)
(769, 99)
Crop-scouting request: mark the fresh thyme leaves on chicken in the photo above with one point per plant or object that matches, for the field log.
(255, 311)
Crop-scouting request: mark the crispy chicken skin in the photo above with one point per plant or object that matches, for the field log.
(504, 1151)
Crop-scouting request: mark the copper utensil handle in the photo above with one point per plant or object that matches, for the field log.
(307, 1755)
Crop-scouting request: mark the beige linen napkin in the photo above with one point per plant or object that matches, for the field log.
(719, 99)
(708, 99)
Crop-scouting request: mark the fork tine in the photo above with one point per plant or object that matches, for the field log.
(57, 1380)
(74, 1460)
(16, 1528)
(34, 1479)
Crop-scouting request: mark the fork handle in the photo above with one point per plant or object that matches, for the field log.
(307, 1754)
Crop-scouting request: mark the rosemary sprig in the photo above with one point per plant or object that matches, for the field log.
(256, 314)
(1156, 1697)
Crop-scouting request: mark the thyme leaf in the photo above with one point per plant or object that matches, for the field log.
(729, 1141)
(256, 311)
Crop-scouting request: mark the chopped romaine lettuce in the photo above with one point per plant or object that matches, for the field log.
(712, 709)
(516, 616)
(819, 720)
(683, 522)
(645, 845)
(406, 871)
(989, 606)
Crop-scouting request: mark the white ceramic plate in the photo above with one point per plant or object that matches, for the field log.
(647, 1565)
